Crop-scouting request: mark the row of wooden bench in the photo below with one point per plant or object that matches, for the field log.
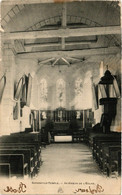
(20, 155)
(106, 150)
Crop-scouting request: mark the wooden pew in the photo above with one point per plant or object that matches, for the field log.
(106, 136)
(113, 160)
(33, 155)
(25, 140)
(99, 143)
(33, 137)
(101, 155)
(98, 139)
(22, 138)
(104, 154)
(17, 166)
(5, 170)
(25, 152)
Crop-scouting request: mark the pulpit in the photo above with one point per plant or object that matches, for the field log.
(109, 91)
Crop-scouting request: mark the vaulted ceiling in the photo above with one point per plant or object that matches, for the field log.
(61, 33)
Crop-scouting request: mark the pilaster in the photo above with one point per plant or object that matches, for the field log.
(8, 68)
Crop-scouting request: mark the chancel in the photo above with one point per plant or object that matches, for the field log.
(60, 83)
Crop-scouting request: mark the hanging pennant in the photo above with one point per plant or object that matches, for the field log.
(18, 89)
(29, 90)
(94, 96)
(24, 91)
(15, 112)
(2, 86)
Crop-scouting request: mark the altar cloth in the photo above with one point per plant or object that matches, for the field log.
(66, 138)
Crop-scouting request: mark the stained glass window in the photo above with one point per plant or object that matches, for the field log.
(60, 93)
(43, 94)
(87, 91)
(78, 93)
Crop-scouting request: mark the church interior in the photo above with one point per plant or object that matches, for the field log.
(60, 89)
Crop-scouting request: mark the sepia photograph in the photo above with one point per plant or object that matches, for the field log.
(60, 97)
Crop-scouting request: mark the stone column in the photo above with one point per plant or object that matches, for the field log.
(8, 66)
(99, 111)
(39, 120)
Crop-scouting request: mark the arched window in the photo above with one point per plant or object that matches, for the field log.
(60, 93)
(78, 93)
(43, 94)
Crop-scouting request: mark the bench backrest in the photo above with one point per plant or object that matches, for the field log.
(25, 152)
(5, 170)
(16, 162)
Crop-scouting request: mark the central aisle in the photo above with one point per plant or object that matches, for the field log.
(69, 167)
(67, 160)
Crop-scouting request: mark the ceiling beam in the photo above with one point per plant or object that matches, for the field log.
(63, 33)
(45, 61)
(66, 61)
(55, 26)
(53, 64)
(39, 45)
(19, 46)
(64, 23)
(76, 59)
(74, 53)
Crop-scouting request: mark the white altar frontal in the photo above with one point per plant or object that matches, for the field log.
(61, 138)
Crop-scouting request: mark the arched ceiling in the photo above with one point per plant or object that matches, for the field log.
(10, 6)
(90, 26)
(12, 18)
